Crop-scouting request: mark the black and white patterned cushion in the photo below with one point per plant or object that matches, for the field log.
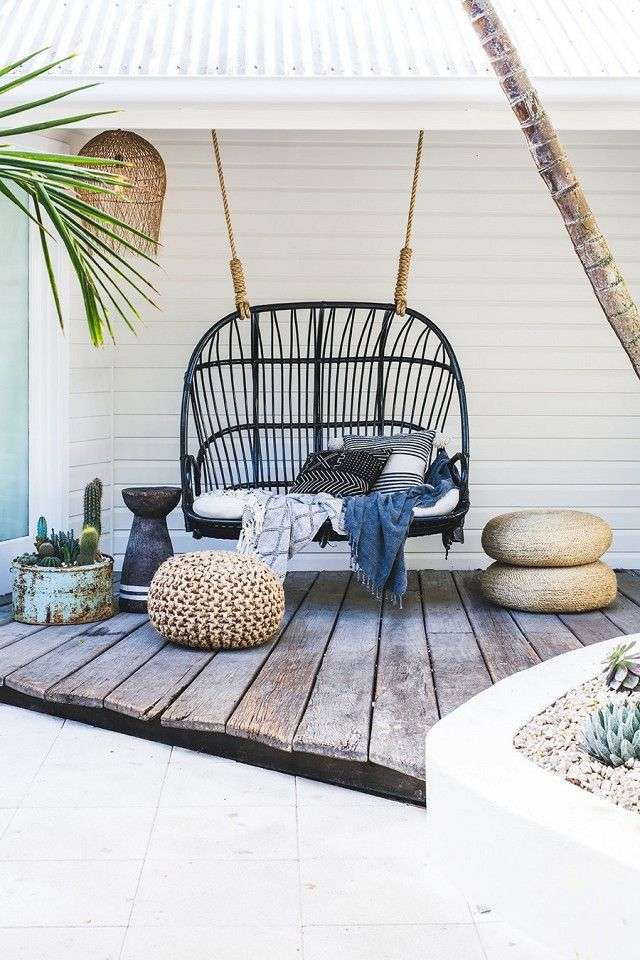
(339, 483)
(409, 460)
(341, 473)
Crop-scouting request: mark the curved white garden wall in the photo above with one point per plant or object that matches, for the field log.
(561, 864)
(554, 404)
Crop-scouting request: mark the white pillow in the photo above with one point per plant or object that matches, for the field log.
(220, 505)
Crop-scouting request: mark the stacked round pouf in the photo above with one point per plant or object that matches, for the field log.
(548, 561)
(216, 600)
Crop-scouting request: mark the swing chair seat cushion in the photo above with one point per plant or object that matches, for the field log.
(224, 505)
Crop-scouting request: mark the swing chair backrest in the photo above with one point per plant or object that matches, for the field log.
(261, 394)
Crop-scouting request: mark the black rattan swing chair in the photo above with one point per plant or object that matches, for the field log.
(268, 385)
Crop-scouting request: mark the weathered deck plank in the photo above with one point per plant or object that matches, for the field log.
(504, 648)
(12, 631)
(338, 716)
(590, 627)
(95, 680)
(272, 708)
(148, 692)
(34, 646)
(208, 702)
(546, 633)
(629, 584)
(405, 702)
(624, 614)
(38, 676)
(459, 670)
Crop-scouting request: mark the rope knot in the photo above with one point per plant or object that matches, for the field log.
(400, 296)
(240, 288)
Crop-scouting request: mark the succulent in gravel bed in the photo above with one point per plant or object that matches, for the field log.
(612, 734)
(622, 668)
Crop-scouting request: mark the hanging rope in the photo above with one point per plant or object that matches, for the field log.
(404, 262)
(237, 270)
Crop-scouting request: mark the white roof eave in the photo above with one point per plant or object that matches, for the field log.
(308, 103)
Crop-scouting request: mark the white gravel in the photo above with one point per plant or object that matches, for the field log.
(553, 739)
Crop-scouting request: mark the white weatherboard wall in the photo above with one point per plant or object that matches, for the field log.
(554, 404)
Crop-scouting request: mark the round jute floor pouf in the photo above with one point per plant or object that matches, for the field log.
(592, 586)
(216, 600)
(546, 538)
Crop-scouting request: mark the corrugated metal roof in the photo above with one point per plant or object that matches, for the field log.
(319, 38)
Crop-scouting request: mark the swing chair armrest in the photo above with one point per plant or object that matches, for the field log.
(191, 486)
(463, 460)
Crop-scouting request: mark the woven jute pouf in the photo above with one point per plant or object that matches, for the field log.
(550, 589)
(546, 538)
(216, 600)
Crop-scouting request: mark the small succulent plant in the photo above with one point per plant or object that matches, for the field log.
(27, 559)
(612, 734)
(50, 562)
(45, 548)
(622, 668)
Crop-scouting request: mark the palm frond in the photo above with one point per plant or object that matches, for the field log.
(51, 184)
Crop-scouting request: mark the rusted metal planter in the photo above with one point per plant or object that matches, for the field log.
(63, 594)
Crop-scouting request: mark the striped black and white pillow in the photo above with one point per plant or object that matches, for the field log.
(409, 460)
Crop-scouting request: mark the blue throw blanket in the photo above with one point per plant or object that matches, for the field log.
(377, 525)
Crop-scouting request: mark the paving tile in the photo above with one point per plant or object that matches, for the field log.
(212, 943)
(59, 893)
(223, 832)
(79, 742)
(201, 780)
(384, 890)
(397, 942)
(501, 942)
(366, 827)
(87, 784)
(217, 893)
(93, 833)
(101, 943)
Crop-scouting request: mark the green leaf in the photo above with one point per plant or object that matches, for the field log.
(49, 124)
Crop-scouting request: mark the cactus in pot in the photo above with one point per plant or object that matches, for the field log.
(66, 579)
(88, 552)
(93, 505)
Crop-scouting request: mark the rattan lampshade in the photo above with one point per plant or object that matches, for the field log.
(140, 203)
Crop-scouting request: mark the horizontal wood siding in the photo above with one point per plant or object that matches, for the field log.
(554, 405)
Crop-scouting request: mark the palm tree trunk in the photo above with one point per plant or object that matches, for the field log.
(555, 169)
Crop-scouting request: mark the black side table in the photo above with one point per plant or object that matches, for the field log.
(149, 542)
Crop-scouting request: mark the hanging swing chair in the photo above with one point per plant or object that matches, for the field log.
(268, 385)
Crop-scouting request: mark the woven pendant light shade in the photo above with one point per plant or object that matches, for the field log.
(140, 203)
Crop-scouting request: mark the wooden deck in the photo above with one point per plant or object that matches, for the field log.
(344, 694)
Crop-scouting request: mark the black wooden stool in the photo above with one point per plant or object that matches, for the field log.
(149, 542)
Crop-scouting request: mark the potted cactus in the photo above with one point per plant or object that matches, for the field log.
(66, 579)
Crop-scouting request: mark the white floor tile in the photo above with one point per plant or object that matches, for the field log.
(347, 891)
(217, 893)
(59, 893)
(201, 780)
(501, 942)
(80, 743)
(212, 943)
(16, 777)
(225, 833)
(365, 827)
(61, 944)
(407, 942)
(93, 833)
(85, 784)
